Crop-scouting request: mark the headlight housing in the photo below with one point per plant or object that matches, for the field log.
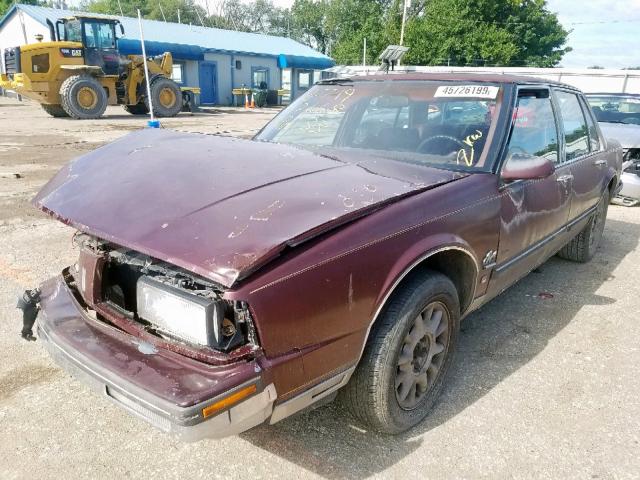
(180, 314)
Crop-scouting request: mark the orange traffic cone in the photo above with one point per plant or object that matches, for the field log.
(253, 103)
(246, 101)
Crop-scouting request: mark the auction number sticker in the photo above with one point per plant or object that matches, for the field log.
(468, 91)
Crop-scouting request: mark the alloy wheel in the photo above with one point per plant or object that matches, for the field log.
(422, 355)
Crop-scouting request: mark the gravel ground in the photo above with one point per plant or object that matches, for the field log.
(543, 387)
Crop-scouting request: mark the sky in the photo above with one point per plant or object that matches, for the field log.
(608, 44)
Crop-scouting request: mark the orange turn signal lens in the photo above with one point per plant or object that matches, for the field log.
(228, 401)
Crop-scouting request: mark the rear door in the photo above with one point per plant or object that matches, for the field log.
(582, 151)
(533, 212)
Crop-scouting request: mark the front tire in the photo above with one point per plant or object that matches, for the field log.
(407, 356)
(83, 97)
(166, 96)
(583, 246)
(138, 109)
(55, 111)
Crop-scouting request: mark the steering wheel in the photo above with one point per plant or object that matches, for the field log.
(426, 141)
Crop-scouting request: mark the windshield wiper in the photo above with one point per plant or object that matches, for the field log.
(335, 81)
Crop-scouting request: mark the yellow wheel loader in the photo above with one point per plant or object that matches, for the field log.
(80, 71)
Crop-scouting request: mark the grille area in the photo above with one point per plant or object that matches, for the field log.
(12, 60)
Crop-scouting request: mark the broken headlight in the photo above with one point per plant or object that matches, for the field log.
(180, 314)
(177, 313)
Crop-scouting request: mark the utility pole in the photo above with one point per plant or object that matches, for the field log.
(404, 20)
(120, 8)
(161, 11)
(24, 29)
(179, 16)
(364, 53)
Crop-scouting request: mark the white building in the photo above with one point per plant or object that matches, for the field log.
(213, 59)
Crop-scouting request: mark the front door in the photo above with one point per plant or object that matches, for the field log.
(208, 82)
(99, 42)
(533, 212)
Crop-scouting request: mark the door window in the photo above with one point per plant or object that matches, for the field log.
(260, 77)
(305, 79)
(177, 72)
(99, 35)
(594, 138)
(575, 126)
(534, 132)
(73, 31)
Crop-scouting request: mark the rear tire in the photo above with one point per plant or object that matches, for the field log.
(407, 356)
(583, 246)
(166, 96)
(55, 110)
(83, 97)
(138, 109)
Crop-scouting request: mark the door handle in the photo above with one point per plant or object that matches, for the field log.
(564, 179)
(600, 163)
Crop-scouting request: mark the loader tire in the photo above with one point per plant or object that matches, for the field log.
(83, 97)
(166, 96)
(55, 110)
(138, 109)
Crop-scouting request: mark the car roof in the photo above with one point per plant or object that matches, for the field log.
(612, 94)
(457, 77)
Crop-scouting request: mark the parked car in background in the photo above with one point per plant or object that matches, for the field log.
(619, 118)
(222, 283)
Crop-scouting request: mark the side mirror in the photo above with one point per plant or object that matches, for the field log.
(526, 167)
(121, 29)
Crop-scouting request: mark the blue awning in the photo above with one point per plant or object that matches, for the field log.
(311, 63)
(129, 46)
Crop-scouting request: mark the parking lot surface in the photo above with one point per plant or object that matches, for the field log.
(545, 384)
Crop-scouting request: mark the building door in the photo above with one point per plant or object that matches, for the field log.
(208, 83)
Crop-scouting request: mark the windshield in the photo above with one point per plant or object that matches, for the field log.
(616, 108)
(433, 123)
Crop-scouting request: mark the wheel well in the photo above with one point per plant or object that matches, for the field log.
(459, 267)
(612, 185)
(456, 264)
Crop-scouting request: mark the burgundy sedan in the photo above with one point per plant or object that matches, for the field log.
(223, 283)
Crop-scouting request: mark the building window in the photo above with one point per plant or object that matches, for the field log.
(238, 65)
(260, 77)
(177, 74)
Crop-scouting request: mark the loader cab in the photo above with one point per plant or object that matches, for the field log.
(98, 38)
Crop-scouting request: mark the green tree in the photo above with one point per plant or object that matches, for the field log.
(5, 5)
(190, 12)
(310, 23)
(485, 32)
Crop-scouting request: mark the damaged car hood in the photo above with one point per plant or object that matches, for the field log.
(220, 207)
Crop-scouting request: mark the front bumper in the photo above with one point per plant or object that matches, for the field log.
(168, 390)
(630, 185)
